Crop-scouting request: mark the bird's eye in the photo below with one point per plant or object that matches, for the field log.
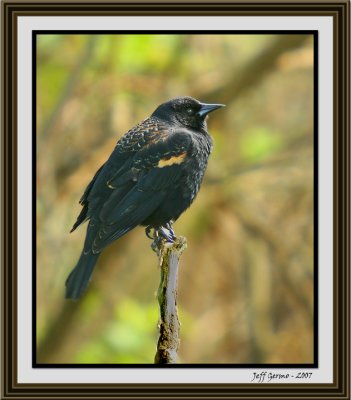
(190, 111)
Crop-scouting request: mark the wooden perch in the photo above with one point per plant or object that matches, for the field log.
(168, 342)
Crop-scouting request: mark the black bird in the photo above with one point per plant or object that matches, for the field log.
(151, 177)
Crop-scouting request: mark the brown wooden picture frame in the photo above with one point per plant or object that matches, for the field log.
(339, 11)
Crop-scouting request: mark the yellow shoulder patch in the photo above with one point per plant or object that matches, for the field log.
(166, 162)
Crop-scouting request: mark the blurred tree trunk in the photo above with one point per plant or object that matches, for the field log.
(253, 72)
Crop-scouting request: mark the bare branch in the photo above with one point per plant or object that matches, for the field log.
(168, 342)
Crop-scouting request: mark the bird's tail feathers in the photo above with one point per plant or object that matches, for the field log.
(78, 280)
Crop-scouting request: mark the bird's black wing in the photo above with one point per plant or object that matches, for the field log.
(134, 181)
(83, 216)
(118, 163)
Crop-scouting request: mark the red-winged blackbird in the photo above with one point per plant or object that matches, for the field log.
(151, 177)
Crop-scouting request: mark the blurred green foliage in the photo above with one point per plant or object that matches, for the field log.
(130, 336)
(259, 143)
(246, 279)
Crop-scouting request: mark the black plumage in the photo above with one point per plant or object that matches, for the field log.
(151, 177)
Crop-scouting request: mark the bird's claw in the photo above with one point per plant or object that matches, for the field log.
(148, 233)
(160, 235)
(167, 233)
(156, 245)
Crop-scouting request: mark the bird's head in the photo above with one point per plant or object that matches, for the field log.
(186, 111)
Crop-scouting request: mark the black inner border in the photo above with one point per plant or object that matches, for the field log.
(314, 33)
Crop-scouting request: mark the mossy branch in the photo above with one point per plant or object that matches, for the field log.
(168, 342)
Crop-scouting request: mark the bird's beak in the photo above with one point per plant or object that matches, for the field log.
(207, 108)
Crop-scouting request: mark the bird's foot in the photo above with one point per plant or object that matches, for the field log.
(152, 233)
(167, 233)
(161, 235)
